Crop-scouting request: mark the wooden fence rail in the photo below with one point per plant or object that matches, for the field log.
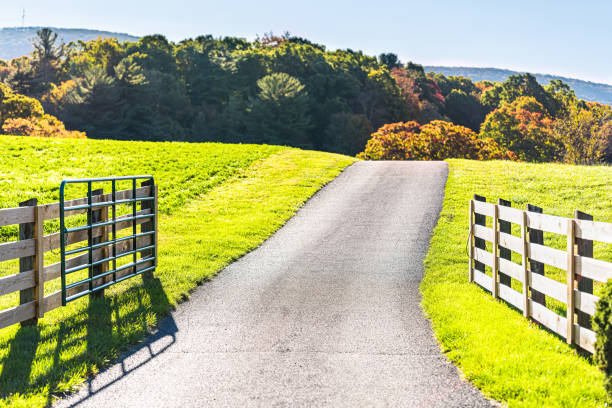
(576, 261)
(32, 245)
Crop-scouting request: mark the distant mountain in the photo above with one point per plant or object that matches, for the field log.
(586, 90)
(15, 42)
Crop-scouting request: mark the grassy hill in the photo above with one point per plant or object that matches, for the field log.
(505, 355)
(590, 91)
(15, 42)
(217, 202)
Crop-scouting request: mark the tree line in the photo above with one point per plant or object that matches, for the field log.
(287, 90)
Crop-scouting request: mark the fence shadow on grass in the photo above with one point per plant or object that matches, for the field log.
(136, 357)
(99, 326)
(17, 365)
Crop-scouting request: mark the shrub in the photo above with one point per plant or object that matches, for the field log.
(437, 140)
(602, 322)
(13, 106)
(45, 126)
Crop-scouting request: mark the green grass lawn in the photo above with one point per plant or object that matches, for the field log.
(499, 351)
(218, 202)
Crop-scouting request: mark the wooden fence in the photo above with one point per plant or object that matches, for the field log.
(32, 245)
(577, 262)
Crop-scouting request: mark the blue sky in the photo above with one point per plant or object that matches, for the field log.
(569, 38)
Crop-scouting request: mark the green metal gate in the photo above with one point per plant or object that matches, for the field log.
(148, 253)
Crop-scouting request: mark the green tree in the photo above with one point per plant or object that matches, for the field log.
(279, 114)
(46, 57)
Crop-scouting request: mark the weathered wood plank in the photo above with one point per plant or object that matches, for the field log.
(510, 295)
(594, 230)
(591, 268)
(483, 280)
(511, 242)
(21, 313)
(585, 302)
(471, 242)
(479, 219)
(483, 232)
(39, 262)
(515, 271)
(584, 247)
(506, 228)
(525, 270)
(509, 214)
(495, 246)
(585, 338)
(571, 280)
(19, 215)
(27, 262)
(546, 222)
(548, 286)
(549, 256)
(536, 236)
(18, 281)
(484, 208)
(548, 318)
(483, 256)
(17, 249)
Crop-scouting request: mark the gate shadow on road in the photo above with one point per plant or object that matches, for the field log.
(138, 356)
(45, 357)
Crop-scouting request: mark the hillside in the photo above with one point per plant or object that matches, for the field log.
(217, 202)
(16, 41)
(590, 91)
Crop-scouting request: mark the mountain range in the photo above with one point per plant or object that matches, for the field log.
(590, 91)
(17, 41)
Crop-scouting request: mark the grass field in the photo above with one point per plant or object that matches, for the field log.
(504, 355)
(217, 202)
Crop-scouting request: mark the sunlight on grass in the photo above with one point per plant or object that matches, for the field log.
(502, 353)
(196, 241)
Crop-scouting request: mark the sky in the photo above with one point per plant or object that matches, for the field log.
(568, 38)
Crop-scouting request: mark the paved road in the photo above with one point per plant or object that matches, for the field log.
(325, 313)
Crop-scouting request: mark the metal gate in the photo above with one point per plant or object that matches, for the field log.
(104, 247)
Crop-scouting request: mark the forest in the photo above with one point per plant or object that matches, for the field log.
(286, 90)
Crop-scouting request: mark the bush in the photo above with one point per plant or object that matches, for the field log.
(13, 106)
(46, 126)
(437, 140)
(602, 322)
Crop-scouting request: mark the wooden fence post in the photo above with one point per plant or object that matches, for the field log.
(505, 253)
(495, 245)
(584, 248)
(526, 311)
(480, 219)
(570, 280)
(26, 231)
(471, 242)
(149, 225)
(39, 261)
(536, 237)
(98, 216)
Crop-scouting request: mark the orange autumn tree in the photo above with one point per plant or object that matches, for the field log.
(437, 140)
(525, 127)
